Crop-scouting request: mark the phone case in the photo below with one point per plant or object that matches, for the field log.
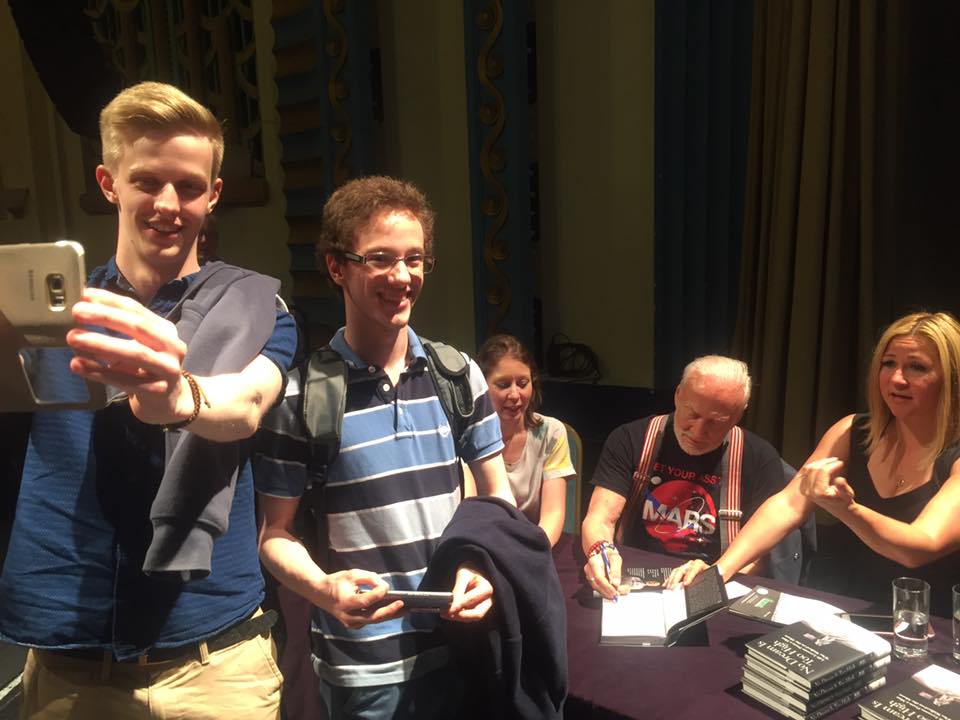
(39, 283)
(420, 600)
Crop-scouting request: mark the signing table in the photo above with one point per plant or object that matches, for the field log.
(699, 681)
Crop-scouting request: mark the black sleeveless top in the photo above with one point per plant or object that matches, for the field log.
(870, 574)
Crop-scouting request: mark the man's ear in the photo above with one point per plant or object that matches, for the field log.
(105, 181)
(214, 195)
(737, 417)
(334, 267)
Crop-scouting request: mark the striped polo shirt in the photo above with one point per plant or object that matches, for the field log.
(388, 495)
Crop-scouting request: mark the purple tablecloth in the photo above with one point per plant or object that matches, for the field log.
(681, 682)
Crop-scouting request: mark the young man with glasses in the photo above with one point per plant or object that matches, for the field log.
(395, 483)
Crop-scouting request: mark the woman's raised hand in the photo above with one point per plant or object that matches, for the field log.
(820, 483)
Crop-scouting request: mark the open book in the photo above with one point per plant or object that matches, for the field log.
(653, 616)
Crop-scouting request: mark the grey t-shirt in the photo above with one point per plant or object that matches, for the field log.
(546, 455)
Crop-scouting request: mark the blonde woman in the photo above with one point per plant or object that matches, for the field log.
(891, 476)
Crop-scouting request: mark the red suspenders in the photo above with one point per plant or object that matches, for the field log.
(729, 512)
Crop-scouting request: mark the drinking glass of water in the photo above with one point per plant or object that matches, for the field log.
(911, 616)
(956, 623)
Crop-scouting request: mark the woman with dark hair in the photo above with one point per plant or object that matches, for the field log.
(535, 449)
(891, 476)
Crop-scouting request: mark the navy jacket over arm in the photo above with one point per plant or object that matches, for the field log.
(225, 318)
(515, 661)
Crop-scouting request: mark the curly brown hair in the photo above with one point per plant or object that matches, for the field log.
(355, 204)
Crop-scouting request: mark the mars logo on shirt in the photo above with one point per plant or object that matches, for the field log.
(678, 513)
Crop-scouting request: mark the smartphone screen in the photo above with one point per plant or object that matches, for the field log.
(879, 624)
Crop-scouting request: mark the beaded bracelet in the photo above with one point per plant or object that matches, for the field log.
(599, 546)
(197, 395)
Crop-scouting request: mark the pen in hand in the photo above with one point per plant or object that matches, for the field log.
(606, 567)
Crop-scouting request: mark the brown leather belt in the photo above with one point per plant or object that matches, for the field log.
(240, 632)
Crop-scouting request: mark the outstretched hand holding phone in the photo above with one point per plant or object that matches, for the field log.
(145, 361)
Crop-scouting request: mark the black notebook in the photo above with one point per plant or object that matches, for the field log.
(652, 616)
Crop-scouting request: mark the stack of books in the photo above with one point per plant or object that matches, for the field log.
(933, 692)
(811, 668)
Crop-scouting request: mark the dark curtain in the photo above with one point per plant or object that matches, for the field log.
(702, 102)
(850, 214)
(822, 122)
(919, 256)
(72, 66)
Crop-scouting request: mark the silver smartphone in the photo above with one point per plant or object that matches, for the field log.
(39, 284)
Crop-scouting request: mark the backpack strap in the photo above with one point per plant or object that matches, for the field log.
(450, 372)
(729, 513)
(641, 476)
(323, 399)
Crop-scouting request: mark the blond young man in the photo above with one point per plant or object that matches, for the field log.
(132, 571)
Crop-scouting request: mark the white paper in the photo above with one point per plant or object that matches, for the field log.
(639, 614)
(674, 607)
(793, 608)
(736, 589)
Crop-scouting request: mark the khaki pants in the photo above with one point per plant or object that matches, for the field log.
(241, 682)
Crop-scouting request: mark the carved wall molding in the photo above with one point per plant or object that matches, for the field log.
(500, 43)
(207, 48)
(327, 59)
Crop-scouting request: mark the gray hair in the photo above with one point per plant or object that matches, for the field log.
(722, 368)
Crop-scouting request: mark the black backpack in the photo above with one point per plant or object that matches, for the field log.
(323, 398)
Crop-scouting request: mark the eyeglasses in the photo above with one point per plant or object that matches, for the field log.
(383, 262)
